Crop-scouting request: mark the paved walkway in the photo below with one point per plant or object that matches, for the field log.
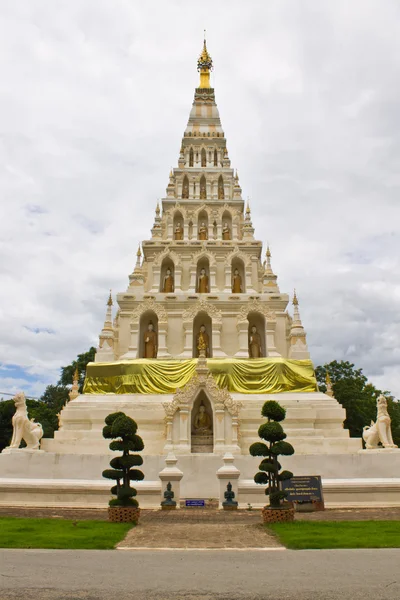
(196, 528)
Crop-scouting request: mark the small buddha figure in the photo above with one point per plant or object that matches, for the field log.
(202, 422)
(237, 282)
(203, 342)
(254, 343)
(203, 233)
(150, 342)
(179, 232)
(226, 232)
(203, 189)
(202, 285)
(168, 285)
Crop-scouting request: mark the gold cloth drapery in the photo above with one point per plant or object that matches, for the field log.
(245, 376)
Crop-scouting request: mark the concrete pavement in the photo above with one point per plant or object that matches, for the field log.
(200, 575)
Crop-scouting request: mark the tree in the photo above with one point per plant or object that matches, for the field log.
(81, 362)
(7, 410)
(272, 432)
(358, 396)
(122, 429)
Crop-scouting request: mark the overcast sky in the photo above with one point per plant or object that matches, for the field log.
(94, 99)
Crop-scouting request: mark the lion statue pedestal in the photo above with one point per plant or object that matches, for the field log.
(380, 432)
(24, 429)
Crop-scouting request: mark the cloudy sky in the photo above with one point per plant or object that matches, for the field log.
(94, 99)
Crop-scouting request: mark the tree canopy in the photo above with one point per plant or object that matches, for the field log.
(50, 403)
(358, 396)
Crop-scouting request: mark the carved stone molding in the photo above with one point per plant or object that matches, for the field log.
(237, 253)
(204, 254)
(167, 254)
(186, 395)
(202, 306)
(255, 306)
(149, 304)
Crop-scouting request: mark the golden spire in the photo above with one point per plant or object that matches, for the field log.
(248, 208)
(204, 65)
(139, 253)
(268, 252)
(109, 301)
(76, 375)
(158, 210)
(295, 301)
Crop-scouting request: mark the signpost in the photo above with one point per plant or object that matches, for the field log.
(305, 489)
(195, 503)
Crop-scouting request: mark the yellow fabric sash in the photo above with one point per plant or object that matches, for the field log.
(245, 376)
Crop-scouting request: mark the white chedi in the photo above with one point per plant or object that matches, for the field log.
(379, 432)
(24, 428)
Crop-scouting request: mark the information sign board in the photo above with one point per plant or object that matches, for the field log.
(303, 488)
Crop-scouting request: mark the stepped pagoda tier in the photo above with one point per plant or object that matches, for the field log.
(202, 335)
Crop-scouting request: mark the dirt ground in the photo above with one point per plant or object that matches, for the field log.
(201, 515)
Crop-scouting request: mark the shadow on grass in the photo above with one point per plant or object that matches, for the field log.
(16, 532)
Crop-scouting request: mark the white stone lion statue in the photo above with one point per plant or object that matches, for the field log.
(23, 428)
(380, 431)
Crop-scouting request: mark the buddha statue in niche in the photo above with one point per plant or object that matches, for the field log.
(203, 232)
(236, 282)
(254, 343)
(178, 234)
(150, 342)
(202, 284)
(202, 422)
(226, 232)
(168, 284)
(203, 342)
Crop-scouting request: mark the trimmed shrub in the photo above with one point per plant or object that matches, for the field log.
(270, 473)
(122, 430)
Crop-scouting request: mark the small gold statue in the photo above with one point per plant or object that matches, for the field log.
(237, 282)
(150, 342)
(203, 342)
(226, 232)
(178, 232)
(255, 343)
(203, 287)
(202, 422)
(168, 286)
(203, 233)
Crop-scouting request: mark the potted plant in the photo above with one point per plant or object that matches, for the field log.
(122, 430)
(270, 473)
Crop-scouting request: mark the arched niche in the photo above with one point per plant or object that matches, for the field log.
(146, 318)
(178, 226)
(203, 188)
(238, 264)
(185, 187)
(191, 157)
(226, 222)
(221, 189)
(203, 263)
(258, 320)
(166, 264)
(215, 158)
(202, 442)
(190, 230)
(203, 157)
(202, 218)
(202, 318)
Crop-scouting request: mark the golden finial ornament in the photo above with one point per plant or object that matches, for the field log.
(76, 375)
(328, 380)
(248, 208)
(204, 66)
(295, 301)
(158, 209)
(268, 252)
(109, 301)
(139, 252)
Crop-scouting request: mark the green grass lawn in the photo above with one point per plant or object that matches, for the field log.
(18, 532)
(302, 535)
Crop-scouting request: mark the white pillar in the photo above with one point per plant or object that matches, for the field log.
(271, 349)
(228, 473)
(216, 340)
(219, 429)
(243, 335)
(172, 474)
(162, 341)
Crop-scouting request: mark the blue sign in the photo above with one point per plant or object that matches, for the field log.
(195, 503)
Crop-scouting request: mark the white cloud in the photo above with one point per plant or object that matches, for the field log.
(95, 97)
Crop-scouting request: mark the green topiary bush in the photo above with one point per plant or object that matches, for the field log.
(270, 473)
(119, 426)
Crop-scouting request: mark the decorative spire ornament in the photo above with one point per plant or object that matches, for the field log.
(105, 350)
(298, 345)
(328, 382)
(269, 278)
(74, 393)
(204, 66)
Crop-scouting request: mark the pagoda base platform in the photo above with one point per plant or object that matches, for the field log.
(73, 480)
